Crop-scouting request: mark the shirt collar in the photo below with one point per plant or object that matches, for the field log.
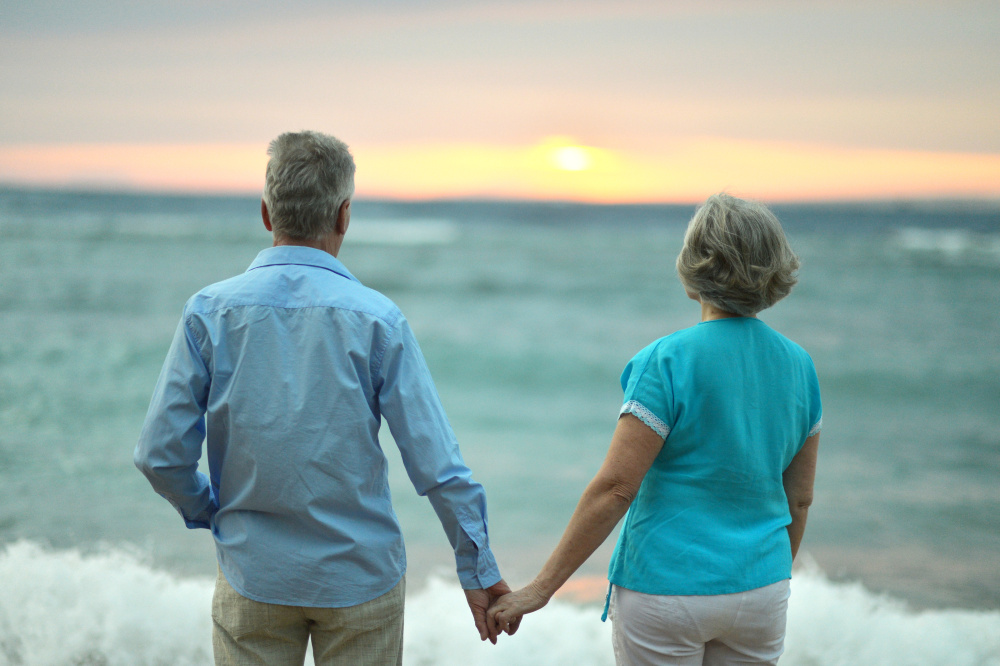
(284, 255)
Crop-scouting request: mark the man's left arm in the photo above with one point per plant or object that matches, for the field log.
(430, 453)
(170, 442)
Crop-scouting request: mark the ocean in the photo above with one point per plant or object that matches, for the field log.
(527, 313)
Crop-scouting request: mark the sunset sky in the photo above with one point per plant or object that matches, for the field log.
(593, 101)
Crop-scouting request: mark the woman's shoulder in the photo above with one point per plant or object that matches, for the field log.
(789, 345)
(661, 353)
(700, 339)
(667, 344)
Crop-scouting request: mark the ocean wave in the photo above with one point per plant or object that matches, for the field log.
(843, 624)
(167, 227)
(401, 232)
(112, 608)
(955, 246)
(109, 608)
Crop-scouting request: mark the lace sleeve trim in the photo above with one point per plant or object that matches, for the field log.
(639, 410)
(816, 428)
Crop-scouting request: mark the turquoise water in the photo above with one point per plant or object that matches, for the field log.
(527, 314)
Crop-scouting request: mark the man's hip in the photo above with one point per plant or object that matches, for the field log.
(247, 632)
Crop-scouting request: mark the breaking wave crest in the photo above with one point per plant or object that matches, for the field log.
(112, 608)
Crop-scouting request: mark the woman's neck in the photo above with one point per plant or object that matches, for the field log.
(709, 312)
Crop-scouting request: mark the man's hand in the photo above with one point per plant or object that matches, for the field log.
(480, 601)
(505, 614)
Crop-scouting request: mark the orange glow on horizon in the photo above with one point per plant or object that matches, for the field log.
(181, 168)
(557, 168)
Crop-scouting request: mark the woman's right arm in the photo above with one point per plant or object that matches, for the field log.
(634, 447)
(798, 481)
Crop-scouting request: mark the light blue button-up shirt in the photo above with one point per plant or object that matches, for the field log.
(285, 372)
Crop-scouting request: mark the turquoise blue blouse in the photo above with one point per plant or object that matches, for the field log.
(735, 401)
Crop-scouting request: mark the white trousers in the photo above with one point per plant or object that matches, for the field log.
(711, 630)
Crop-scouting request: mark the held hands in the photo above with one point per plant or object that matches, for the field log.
(479, 603)
(505, 613)
(497, 610)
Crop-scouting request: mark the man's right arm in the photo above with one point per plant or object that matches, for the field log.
(170, 442)
(430, 453)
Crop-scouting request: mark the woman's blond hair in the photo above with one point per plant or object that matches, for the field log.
(736, 256)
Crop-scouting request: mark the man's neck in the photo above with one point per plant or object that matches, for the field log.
(330, 243)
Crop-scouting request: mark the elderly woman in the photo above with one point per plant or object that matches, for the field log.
(713, 459)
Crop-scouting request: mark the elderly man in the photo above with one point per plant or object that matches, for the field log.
(286, 372)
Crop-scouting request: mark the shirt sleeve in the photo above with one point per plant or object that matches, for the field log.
(815, 401)
(647, 393)
(409, 402)
(172, 435)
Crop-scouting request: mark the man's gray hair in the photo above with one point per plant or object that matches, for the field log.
(308, 177)
(736, 256)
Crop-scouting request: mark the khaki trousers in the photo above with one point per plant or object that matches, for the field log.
(252, 633)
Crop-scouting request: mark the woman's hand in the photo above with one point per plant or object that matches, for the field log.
(480, 602)
(505, 614)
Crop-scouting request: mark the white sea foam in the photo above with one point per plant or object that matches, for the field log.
(61, 607)
(843, 624)
(402, 232)
(950, 245)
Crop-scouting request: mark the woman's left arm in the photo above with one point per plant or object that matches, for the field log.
(634, 446)
(798, 480)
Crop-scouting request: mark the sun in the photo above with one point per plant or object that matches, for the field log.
(564, 153)
(572, 158)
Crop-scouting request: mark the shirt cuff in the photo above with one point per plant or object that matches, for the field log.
(637, 409)
(199, 519)
(478, 575)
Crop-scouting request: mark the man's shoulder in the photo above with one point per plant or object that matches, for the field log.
(372, 302)
(311, 290)
(217, 295)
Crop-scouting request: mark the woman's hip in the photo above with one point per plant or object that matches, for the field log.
(745, 627)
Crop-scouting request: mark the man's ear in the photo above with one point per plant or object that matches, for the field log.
(343, 217)
(265, 216)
